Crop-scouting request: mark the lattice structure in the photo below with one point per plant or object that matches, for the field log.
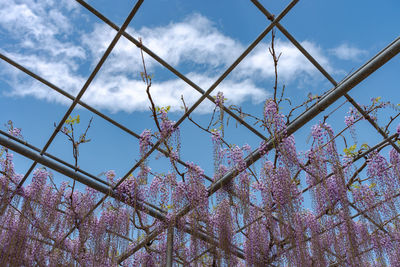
(339, 89)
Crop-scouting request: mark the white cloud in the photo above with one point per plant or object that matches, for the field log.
(194, 40)
(193, 45)
(122, 93)
(348, 52)
(59, 73)
(291, 63)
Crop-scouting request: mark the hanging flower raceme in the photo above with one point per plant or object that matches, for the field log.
(258, 244)
(394, 157)
(219, 100)
(236, 156)
(144, 142)
(16, 132)
(131, 190)
(385, 182)
(192, 191)
(223, 225)
(282, 188)
(218, 152)
(313, 227)
(381, 174)
(39, 179)
(274, 121)
(144, 146)
(167, 126)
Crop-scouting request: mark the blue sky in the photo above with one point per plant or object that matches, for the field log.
(62, 42)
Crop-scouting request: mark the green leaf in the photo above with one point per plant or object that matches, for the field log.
(69, 120)
(376, 100)
(350, 151)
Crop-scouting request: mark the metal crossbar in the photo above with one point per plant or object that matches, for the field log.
(46, 159)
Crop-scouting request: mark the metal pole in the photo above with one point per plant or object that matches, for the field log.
(83, 104)
(342, 88)
(41, 159)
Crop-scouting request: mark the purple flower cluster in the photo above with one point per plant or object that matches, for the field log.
(219, 100)
(256, 245)
(193, 193)
(167, 126)
(274, 121)
(317, 132)
(352, 116)
(156, 184)
(216, 136)
(16, 132)
(38, 182)
(365, 197)
(130, 190)
(279, 232)
(379, 171)
(394, 157)
(236, 155)
(222, 221)
(288, 152)
(144, 141)
(110, 176)
(194, 171)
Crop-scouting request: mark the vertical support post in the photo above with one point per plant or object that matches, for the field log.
(170, 245)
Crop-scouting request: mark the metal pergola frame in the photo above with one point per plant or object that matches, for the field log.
(42, 157)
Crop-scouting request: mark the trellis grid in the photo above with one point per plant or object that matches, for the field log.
(40, 156)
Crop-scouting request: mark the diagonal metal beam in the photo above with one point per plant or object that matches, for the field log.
(41, 159)
(169, 67)
(85, 105)
(81, 92)
(106, 190)
(377, 147)
(323, 72)
(342, 88)
(52, 157)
